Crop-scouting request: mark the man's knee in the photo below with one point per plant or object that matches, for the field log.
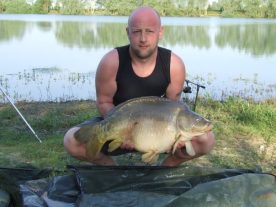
(70, 143)
(206, 142)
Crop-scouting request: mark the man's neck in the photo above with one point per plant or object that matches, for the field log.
(143, 67)
(143, 61)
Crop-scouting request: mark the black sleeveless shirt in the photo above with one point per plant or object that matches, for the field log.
(129, 85)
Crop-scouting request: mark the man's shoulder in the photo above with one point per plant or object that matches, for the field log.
(110, 60)
(122, 48)
(163, 49)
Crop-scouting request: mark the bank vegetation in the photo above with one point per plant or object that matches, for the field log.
(245, 134)
(224, 8)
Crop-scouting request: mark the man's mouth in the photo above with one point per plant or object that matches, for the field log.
(143, 46)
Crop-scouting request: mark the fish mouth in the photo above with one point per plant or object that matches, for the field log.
(204, 128)
(209, 127)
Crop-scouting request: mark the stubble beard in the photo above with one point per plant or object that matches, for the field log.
(143, 54)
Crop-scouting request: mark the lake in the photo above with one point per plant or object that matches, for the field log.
(54, 57)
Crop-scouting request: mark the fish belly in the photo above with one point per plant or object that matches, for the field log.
(151, 135)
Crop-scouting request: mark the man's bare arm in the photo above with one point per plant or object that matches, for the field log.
(178, 75)
(106, 81)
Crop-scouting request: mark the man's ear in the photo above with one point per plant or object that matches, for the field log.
(161, 32)
(127, 31)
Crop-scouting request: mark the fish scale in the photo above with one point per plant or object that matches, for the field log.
(153, 124)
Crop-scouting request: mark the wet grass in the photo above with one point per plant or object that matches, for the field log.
(50, 121)
(245, 133)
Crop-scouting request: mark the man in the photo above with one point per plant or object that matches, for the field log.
(138, 69)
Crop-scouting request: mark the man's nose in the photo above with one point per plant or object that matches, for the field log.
(143, 36)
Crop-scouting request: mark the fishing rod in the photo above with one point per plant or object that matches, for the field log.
(188, 89)
(17, 110)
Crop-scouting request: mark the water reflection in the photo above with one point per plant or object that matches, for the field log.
(90, 34)
(256, 39)
(196, 36)
(44, 26)
(199, 43)
(12, 29)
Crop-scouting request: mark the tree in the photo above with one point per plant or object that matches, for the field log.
(17, 7)
(90, 6)
(72, 6)
(271, 9)
(41, 6)
(118, 7)
(2, 6)
(254, 8)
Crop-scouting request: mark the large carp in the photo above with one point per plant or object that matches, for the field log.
(154, 125)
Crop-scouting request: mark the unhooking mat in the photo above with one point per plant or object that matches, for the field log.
(138, 186)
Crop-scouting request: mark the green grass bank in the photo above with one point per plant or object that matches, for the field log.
(245, 133)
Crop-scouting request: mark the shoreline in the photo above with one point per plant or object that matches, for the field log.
(245, 134)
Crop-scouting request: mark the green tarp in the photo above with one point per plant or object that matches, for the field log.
(139, 186)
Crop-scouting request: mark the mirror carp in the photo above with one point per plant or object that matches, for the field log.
(153, 124)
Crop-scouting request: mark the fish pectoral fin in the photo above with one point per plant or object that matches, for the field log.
(113, 145)
(189, 148)
(150, 157)
(188, 144)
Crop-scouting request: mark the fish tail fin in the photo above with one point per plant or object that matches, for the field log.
(94, 146)
(86, 133)
(93, 137)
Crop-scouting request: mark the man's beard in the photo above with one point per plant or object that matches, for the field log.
(144, 54)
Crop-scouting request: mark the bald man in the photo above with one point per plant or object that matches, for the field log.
(141, 68)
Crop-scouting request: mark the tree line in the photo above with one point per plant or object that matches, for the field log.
(225, 8)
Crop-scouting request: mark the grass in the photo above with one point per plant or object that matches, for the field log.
(245, 133)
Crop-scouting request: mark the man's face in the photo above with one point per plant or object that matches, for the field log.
(144, 34)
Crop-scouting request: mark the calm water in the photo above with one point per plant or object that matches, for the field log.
(54, 58)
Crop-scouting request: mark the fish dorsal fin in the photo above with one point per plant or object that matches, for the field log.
(121, 106)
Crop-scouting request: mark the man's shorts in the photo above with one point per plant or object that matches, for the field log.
(104, 149)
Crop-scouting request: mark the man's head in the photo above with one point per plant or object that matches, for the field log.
(144, 31)
(145, 12)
